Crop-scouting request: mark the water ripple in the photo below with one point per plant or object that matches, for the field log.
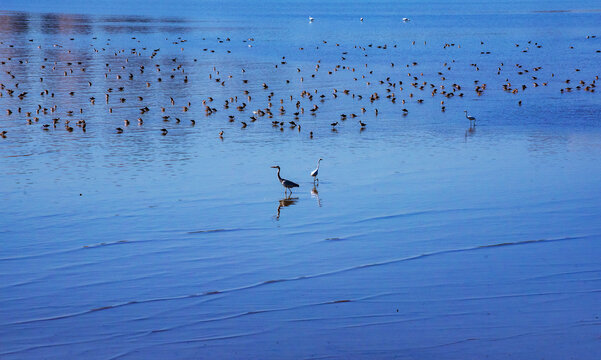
(301, 277)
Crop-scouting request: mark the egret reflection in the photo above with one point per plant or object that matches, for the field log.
(315, 194)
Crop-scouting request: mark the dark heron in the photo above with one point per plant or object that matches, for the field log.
(287, 184)
(470, 118)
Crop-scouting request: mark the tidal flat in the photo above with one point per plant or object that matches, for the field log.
(141, 217)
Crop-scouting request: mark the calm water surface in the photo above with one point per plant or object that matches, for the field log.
(424, 239)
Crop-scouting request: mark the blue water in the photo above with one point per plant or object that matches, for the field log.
(426, 237)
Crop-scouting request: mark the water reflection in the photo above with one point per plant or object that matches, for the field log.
(471, 131)
(287, 201)
(315, 194)
(17, 23)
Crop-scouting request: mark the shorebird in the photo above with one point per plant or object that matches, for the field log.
(470, 118)
(311, 19)
(287, 184)
(316, 171)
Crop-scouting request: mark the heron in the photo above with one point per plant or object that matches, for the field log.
(470, 118)
(316, 171)
(287, 184)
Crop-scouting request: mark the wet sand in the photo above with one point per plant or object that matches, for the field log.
(141, 217)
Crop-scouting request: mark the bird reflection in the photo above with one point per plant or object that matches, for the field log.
(470, 132)
(315, 194)
(287, 201)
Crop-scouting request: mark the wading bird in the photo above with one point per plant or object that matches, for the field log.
(316, 171)
(470, 118)
(287, 184)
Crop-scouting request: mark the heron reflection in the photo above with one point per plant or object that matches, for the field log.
(470, 132)
(287, 201)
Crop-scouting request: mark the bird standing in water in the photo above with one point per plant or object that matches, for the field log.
(470, 118)
(287, 184)
(316, 171)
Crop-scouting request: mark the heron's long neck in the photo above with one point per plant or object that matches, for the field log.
(279, 178)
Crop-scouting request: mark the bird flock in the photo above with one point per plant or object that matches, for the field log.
(72, 88)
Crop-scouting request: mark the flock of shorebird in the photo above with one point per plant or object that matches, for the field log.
(59, 86)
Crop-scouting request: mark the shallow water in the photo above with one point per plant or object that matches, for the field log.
(425, 238)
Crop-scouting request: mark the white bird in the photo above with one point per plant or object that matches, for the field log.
(316, 171)
(406, 19)
(470, 118)
(361, 19)
(311, 19)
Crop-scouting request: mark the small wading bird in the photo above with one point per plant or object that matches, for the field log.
(287, 184)
(470, 118)
(316, 171)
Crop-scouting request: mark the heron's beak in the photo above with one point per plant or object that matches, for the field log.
(274, 167)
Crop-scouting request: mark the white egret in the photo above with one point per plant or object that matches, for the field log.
(316, 171)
